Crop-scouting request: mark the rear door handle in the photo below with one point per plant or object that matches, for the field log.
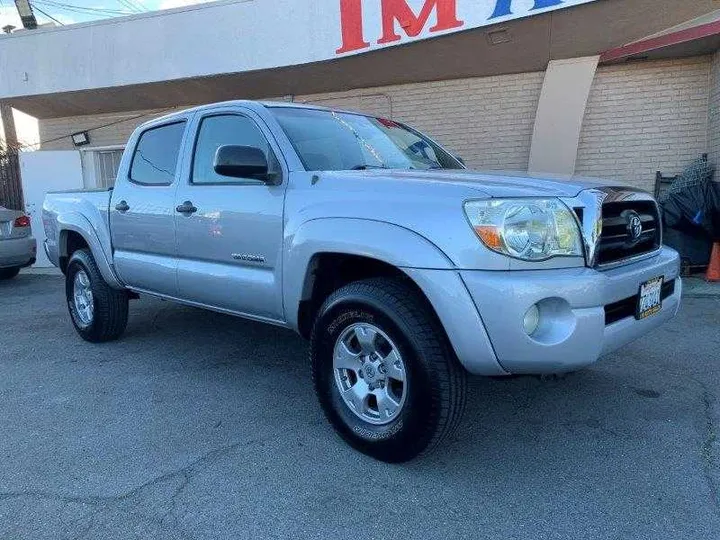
(122, 206)
(186, 208)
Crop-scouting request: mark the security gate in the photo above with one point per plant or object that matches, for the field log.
(10, 185)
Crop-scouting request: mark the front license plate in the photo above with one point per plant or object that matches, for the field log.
(649, 299)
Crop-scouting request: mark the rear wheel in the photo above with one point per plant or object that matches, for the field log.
(9, 273)
(99, 312)
(384, 372)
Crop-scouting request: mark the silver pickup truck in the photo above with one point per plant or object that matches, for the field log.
(405, 270)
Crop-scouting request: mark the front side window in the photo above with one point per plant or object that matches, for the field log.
(156, 155)
(220, 130)
(334, 141)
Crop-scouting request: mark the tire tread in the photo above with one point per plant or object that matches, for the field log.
(111, 305)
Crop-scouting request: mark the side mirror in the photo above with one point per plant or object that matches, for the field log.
(241, 162)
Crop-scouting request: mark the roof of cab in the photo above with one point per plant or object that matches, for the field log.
(246, 103)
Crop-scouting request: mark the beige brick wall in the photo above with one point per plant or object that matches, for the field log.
(487, 121)
(641, 117)
(645, 117)
(714, 113)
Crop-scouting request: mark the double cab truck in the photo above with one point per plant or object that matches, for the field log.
(406, 271)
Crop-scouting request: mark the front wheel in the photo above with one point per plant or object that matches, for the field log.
(99, 312)
(384, 372)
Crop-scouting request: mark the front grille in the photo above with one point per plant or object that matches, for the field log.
(616, 242)
(626, 308)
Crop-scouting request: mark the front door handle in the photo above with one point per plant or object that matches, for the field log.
(186, 208)
(122, 206)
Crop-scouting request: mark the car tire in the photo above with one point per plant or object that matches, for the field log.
(99, 313)
(9, 273)
(432, 392)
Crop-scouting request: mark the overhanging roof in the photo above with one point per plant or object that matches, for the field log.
(516, 46)
(691, 38)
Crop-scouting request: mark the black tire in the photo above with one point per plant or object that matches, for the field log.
(110, 314)
(9, 273)
(436, 381)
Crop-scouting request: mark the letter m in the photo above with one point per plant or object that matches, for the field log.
(412, 25)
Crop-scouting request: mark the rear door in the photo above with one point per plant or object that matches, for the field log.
(229, 247)
(142, 209)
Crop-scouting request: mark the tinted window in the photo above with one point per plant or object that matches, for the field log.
(216, 131)
(156, 155)
(331, 141)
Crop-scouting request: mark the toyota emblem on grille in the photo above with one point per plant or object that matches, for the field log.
(634, 226)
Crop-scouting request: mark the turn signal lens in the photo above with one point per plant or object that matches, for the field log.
(22, 221)
(490, 236)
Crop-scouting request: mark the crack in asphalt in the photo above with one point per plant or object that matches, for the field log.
(709, 439)
(110, 503)
(706, 450)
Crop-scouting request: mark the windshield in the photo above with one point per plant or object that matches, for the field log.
(336, 141)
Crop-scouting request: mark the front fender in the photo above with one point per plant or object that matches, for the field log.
(99, 244)
(386, 242)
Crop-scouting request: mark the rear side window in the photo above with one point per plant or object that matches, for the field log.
(156, 155)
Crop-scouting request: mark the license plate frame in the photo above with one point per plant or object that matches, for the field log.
(649, 298)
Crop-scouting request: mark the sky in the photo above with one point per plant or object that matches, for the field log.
(69, 12)
(73, 11)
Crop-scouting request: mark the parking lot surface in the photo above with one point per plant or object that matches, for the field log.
(199, 425)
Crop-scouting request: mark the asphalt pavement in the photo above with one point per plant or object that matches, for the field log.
(199, 425)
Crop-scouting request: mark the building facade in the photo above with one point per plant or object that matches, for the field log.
(610, 88)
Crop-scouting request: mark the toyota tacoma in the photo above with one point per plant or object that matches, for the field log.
(405, 270)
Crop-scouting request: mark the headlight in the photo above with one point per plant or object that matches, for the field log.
(527, 229)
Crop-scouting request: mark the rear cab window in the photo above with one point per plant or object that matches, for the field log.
(156, 154)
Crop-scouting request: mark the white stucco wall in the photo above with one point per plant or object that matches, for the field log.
(230, 36)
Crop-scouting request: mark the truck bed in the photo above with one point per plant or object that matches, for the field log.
(86, 206)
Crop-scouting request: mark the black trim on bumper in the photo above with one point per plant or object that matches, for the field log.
(623, 309)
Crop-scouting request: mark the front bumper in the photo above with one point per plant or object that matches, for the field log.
(573, 332)
(17, 252)
(483, 311)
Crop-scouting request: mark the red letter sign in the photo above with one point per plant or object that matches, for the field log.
(352, 26)
(398, 10)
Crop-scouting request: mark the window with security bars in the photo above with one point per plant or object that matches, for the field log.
(107, 163)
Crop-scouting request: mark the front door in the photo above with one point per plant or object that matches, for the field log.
(229, 239)
(142, 211)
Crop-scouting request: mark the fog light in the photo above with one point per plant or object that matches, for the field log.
(531, 320)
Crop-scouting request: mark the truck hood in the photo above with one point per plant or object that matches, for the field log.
(489, 184)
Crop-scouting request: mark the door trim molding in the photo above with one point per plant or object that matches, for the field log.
(258, 318)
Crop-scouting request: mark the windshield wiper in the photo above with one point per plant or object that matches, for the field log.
(365, 167)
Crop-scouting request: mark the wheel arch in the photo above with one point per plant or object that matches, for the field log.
(326, 254)
(76, 232)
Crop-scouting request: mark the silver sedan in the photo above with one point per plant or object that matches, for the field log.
(17, 245)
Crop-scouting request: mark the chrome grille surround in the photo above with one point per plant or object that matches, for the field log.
(588, 207)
